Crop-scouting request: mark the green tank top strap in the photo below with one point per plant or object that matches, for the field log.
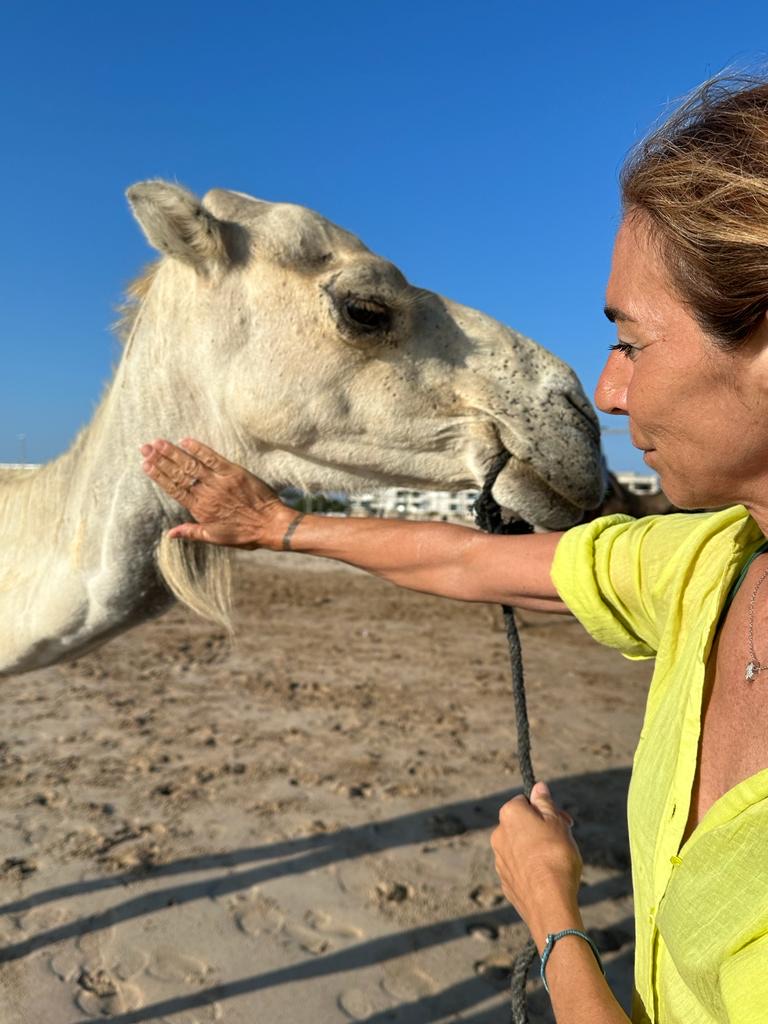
(745, 569)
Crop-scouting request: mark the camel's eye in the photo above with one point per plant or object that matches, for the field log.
(367, 315)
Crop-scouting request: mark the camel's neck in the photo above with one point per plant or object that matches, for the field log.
(79, 534)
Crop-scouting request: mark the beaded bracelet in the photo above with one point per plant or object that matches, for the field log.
(550, 945)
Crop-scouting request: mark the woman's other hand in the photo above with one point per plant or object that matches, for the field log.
(538, 862)
(231, 506)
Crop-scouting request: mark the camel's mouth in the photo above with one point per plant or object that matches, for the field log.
(523, 491)
(542, 464)
(525, 495)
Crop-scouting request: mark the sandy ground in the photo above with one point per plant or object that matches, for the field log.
(294, 828)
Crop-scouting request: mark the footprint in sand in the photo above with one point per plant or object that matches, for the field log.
(320, 928)
(66, 964)
(407, 984)
(43, 918)
(355, 1004)
(125, 962)
(256, 914)
(102, 995)
(326, 924)
(307, 939)
(167, 964)
(262, 916)
(128, 961)
(354, 879)
(93, 944)
(487, 896)
(203, 1015)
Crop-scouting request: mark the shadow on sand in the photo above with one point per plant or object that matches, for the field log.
(601, 833)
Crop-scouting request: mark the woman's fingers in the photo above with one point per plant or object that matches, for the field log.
(541, 804)
(232, 506)
(207, 456)
(183, 465)
(185, 475)
(181, 494)
(177, 471)
(174, 461)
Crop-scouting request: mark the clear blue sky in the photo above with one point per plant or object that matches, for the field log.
(477, 145)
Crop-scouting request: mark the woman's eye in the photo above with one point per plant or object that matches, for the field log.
(626, 350)
(367, 314)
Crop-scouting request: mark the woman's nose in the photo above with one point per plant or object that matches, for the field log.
(611, 390)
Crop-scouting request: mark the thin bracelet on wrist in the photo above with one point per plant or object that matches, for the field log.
(550, 945)
(291, 530)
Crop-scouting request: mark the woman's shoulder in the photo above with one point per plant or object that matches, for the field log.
(620, 576)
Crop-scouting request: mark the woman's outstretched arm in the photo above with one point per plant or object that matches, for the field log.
(233, 507)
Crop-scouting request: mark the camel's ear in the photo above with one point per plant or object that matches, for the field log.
(175, 222)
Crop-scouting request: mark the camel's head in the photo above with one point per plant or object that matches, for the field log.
(334, 371)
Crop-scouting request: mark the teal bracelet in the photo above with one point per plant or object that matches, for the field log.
(550, 945)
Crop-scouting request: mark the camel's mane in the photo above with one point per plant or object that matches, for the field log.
(135, 293)
(197, 574)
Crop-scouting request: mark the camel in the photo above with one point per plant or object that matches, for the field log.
(281, 340)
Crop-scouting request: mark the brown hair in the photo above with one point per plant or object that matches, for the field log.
(701, 179)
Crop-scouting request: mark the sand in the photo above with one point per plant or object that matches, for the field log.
(294, 827)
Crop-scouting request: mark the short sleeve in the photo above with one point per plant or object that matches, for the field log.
(615, 574)
(744, 983)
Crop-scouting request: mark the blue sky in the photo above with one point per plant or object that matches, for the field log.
(476, 145)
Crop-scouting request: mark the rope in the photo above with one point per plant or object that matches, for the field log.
(489, 518)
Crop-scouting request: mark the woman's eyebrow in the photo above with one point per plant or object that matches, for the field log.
(615, 314)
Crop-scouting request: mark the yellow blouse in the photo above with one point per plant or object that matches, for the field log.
(655, 587)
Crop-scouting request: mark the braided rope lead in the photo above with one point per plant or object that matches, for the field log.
(489, 518)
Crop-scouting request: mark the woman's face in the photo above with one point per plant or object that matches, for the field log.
(699, 413)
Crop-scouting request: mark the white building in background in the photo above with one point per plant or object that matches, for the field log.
(639, 483)
(413, 504)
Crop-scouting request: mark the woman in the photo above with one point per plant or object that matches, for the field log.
(688, 293)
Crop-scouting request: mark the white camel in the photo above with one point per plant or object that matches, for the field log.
(284, 342)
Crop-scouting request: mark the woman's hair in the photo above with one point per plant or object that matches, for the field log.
(701, 181)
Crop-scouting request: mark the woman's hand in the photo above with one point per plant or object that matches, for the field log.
(538, 862)
(232, 506)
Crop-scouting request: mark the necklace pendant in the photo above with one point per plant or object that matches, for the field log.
(751, 671)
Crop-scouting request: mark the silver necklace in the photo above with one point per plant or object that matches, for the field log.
(753, 665)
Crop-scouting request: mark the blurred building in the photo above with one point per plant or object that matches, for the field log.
(639, 483)
(405, 503)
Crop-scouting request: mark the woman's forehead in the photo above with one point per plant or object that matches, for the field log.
(639, 289)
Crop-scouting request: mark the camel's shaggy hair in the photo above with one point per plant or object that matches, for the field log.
(135, 293)
(199, 575)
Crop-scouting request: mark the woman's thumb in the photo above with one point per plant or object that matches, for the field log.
(541, 798)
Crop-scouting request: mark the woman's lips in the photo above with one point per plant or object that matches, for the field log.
(641, 445)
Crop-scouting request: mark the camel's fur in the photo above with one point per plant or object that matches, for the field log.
(245, 335)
